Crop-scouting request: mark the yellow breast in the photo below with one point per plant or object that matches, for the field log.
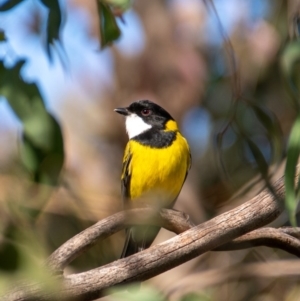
(158, 172)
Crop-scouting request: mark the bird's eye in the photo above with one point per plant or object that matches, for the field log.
(146, 112)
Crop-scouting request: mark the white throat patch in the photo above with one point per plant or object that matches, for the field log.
(135, 125)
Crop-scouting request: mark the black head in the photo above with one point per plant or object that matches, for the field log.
(150, 112)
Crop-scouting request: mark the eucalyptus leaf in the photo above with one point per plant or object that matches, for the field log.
(120, 4)
(9, 4)
(293, 151)
(2, 36)
(42, 148)
(109, 29)
(54, 24)
(290, 65)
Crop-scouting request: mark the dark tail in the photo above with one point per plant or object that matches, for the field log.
(138, 238)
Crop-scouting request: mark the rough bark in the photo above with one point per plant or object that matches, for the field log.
(230, 230)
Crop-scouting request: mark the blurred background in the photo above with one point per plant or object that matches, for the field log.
(225, 70)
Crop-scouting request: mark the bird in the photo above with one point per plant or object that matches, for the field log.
(156, 162)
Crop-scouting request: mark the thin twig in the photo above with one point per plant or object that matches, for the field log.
(270, 237)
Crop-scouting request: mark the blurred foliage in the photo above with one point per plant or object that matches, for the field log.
(290, 61)
(42, 156)
(134, 293)
(195, 297)
(9, 4)
(21, 263)
(42, 149)
(2, 36)
(54, 23)
(249, 93)
(292, 190)
(263, 122)
(290, 67)
(107, 10)
(54, 20)
(109, 30)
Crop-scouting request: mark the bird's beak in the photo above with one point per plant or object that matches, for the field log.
(122, 111)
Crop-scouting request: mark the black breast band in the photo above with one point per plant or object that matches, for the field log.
(156, 138)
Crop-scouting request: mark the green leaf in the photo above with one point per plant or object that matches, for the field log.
(9, 4)
(120, 4)
(290, 65)
(42, 150)
(109, 29)
(2, 36)
(293, 151)
(54, 24)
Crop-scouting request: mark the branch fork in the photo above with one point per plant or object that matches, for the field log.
(238, 228)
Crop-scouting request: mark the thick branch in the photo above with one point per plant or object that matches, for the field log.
(171, 220)
(249, 216)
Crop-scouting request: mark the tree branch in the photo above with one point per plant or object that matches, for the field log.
(171, 220)
(210, 235)
(269, 237)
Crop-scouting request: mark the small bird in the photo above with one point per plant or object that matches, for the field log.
(155, 165)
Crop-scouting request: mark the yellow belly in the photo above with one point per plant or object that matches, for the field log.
(158, 173)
